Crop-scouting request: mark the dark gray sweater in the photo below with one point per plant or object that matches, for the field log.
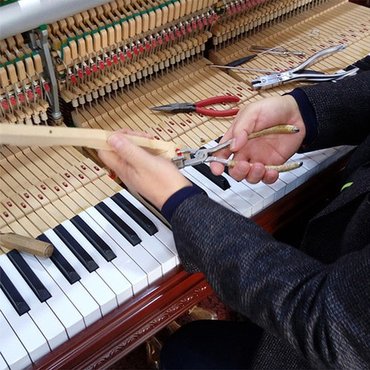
(314, 303)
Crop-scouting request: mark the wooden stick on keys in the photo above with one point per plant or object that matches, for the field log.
(26, 244)
(24, 135)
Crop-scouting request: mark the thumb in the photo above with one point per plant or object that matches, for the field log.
(240, 138)
(130, 153)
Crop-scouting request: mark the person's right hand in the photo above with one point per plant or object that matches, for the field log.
(251, 156)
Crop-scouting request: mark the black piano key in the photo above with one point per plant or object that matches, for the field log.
(29, 276)
(118, 223)
(15, 298)
(97, 242)
(363, 64)
(135, 214)
(220, 181)
(84, 257)
(61, 263)
(350, 67)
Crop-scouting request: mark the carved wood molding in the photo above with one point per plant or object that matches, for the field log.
(154, 325)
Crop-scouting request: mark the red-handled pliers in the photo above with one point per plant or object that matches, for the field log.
(199, 107)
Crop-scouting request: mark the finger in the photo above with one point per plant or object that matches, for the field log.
(217, 168)
(240, 136)
(128, 131)
(240, 170)
(110, 159)
(256, 173)
(129, 152)
(270, 176)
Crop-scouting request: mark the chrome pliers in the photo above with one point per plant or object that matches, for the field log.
(299, 73)
(192, 157)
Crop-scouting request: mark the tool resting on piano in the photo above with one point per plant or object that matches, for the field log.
(114, 278)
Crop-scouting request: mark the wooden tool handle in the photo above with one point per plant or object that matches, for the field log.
(26, 244)
(24, 135)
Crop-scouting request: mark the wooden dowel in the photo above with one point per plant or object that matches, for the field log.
(279, 129)
(26, 244)
(23, 135)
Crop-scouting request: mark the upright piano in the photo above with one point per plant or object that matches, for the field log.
(115, 278)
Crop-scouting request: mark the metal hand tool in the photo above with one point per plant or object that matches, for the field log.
(191, 157)
(199, 107)
(276, 50)
(240, 61)
(300, 74)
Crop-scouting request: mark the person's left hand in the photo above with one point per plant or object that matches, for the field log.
(155, 178)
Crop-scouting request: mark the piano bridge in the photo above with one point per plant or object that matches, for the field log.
(115, 278)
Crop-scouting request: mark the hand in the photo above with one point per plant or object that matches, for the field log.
(155, 178)
(252, 156)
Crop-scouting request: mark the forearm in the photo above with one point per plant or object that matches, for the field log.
(341, 110)
(278, 287)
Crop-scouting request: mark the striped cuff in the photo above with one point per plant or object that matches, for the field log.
(308, 115)
(177, 198)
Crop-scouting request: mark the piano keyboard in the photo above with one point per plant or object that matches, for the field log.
(103, 256)
(108, 253)
(250, 199)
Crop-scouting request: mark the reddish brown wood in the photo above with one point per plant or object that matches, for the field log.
(361, 2)
(112, 337)
(109, 339)
(300, 200)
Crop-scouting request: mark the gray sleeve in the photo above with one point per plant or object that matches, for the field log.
(281, 289)
(342, 110)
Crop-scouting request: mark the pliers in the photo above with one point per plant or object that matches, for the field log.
(300, 74)
(192, 157)
(199, 107)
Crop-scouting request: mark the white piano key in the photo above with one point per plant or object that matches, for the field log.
(290, 180)
(211, 189)
(28, 333)
(342, 150)
(152, 245)
(264, 191)
(164, 234)
(237, 203)
(251, 193)
(209, 192)
(330, 152)
(244, 189)
(3, 364)
(310, 165)
(97, 288)
(279, 189)
(244, 192)
(107, 271)
(41, 314)
(12, 349)
(76, 292)
(133, 273)
(301, 174)
(319, 157)
(143, 259)
(62, 307)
